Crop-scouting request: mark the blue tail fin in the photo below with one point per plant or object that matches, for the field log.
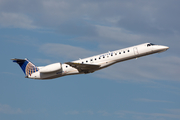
(27, 67)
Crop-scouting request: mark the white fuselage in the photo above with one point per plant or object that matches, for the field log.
(103, 60)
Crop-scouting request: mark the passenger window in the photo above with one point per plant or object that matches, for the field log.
(115, 53)
(99, 57)
(103, 56)
(124, 52)
(86, 61)
(95, 59)
(119, 52)
(111, 54)
(91, 60)
(128, 50)
(82, 62)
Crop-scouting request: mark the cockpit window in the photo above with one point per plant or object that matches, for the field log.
(150, 44)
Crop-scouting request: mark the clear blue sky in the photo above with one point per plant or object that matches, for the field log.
(48, 31)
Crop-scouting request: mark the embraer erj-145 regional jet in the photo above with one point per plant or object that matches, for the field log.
(87, 65)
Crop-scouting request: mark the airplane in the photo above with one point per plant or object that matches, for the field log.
(87, 65)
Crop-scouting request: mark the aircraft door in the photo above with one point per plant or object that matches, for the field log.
(135, 51)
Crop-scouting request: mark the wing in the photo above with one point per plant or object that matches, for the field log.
(86, 68)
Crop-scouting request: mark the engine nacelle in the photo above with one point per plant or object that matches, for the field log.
(51, 68)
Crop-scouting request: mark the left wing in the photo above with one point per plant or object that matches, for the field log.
(86, 68)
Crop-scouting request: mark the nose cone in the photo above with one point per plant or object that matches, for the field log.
(165, 47)
(162, 48)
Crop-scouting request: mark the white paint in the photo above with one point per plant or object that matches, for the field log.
(94, 63)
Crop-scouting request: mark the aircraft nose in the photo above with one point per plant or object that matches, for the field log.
(165, 47)
(162, 48)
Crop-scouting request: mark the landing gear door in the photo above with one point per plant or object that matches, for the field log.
(135, 51)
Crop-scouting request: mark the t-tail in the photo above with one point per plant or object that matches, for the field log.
(27, 67)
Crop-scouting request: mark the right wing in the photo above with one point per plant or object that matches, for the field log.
(86, 68)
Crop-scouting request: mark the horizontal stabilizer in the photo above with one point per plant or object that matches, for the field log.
(18, 60)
